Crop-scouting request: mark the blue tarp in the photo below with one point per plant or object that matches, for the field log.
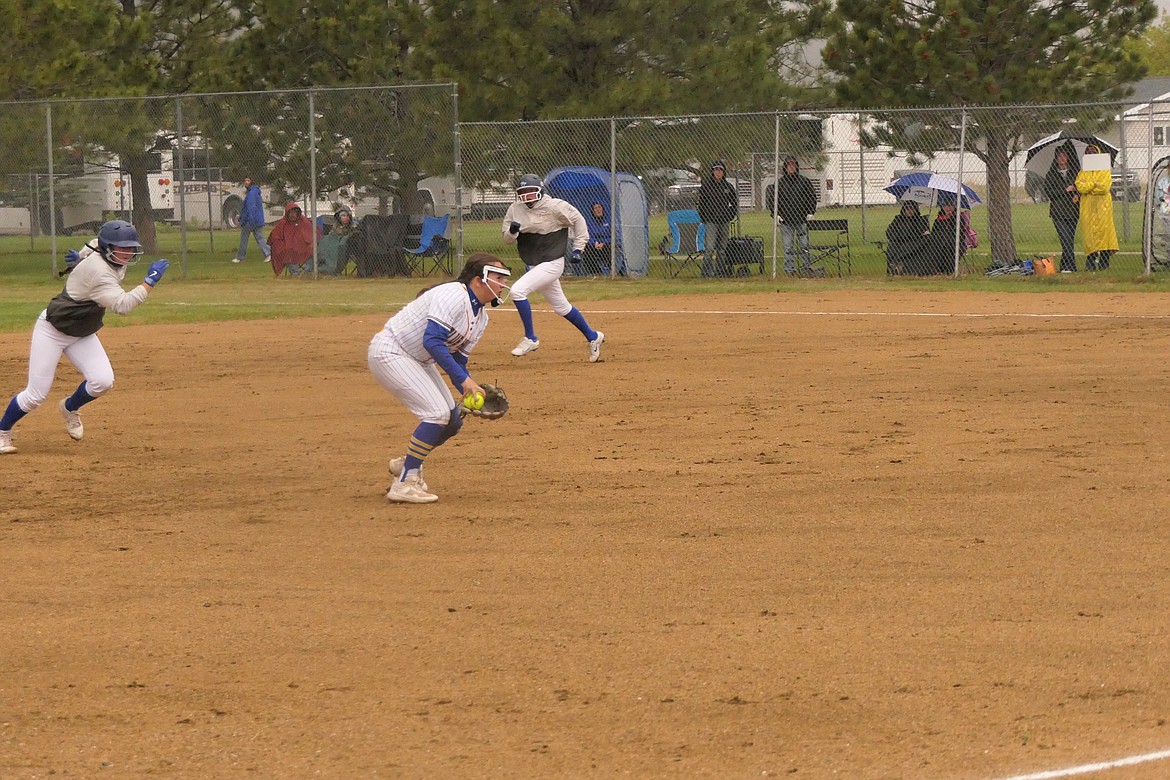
(584, 185)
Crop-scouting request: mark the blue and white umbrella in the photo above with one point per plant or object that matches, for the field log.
(926, 188)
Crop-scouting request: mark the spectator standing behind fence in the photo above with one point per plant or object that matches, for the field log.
(595, 259)
(291, 241)
(718, 206)
(1097, 228)
(907, 234)
(252, 222)
(1060, 187)
(796, 202)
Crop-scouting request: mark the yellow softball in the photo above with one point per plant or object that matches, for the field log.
(473, 401)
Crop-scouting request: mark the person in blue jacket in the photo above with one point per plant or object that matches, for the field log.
(252, 222)
(595, 260)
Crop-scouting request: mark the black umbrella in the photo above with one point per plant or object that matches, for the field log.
(1041, 153)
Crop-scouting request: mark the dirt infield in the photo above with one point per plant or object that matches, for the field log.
(850, 534)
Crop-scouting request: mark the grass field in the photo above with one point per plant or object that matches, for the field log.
(203, 285)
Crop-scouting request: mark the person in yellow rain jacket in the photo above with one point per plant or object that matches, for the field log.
(1097, 228)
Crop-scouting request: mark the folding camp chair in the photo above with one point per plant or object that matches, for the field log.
(684, 245)
(434, 244)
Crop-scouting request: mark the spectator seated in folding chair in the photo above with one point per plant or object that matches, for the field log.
(684, 245)
(291, 242)
(332, 253)
(434, 244)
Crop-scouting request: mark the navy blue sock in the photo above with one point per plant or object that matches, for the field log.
(578, 319)
(79, 398)
(12, 415)
(425, 438)
(525, 309)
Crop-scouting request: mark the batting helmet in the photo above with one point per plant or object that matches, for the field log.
(118, 233)
(530, 189)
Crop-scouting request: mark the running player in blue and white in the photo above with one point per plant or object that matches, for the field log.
(70, 324)
(438, 329)
(541, 226)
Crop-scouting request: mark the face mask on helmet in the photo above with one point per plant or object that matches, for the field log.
(118, 243)
(529, 190)
(492, 284)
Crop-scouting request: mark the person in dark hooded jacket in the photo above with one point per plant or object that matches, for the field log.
(908, 236)
(718, 206)
(796, 202)
(1064, 209)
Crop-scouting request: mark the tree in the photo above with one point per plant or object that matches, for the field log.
(983, 54)
(54, 48)
(557, 59)
(375, 140)
(1154, 48)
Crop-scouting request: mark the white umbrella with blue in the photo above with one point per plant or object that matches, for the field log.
(925, 188)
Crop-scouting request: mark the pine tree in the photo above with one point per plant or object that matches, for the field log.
(983, 54)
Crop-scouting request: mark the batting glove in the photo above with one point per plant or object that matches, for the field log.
(72, 256)
(514, 228)
(157, 269)
(575, 255)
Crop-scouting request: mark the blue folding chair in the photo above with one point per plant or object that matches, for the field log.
(434, 244)
(684, 245)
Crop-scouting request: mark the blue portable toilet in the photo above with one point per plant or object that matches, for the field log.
(583, 185)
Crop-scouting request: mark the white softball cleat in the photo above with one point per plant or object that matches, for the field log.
(407, 491)
(73, 424)
(525, 346)
(595, 347)
(396, 466)
(6, 445)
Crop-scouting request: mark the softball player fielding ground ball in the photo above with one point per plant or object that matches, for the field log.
(438, 329)
(541, 226)
(70, 324)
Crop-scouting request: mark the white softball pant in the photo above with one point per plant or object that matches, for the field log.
(544, 278)
(86, 353)
(420, 387)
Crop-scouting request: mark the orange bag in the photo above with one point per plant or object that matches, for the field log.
(1044, 266)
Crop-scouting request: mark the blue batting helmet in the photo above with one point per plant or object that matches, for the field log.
(117, 233)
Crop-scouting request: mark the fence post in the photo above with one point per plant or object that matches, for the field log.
(313, 178)
(177, 164)
(861, 171)
(457, 152)
(772, 212)
(613, 222)
(959, 194)
(1147, 222)
(52, 189)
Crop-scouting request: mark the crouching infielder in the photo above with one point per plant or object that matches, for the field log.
(437, 330)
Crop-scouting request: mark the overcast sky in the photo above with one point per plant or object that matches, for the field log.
(1163, 5)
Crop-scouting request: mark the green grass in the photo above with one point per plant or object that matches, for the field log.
(203, 285)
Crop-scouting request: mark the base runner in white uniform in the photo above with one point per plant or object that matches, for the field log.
(438, 329)
(70, 324)
(542, 226)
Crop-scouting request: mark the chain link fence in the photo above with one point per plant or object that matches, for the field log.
(396, 157)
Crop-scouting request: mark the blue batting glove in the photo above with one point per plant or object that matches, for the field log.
(157, 269)
(514, 228)
(575, 255)
(72, 256)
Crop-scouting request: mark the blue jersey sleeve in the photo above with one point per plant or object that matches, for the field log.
(435, 342)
